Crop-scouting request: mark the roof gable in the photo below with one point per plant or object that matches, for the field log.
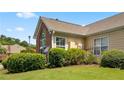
(61, 26)
(106, 24)
(66, 27)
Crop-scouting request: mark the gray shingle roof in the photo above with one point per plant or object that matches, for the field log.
(99, 26)
(106, 24)
(61, 26)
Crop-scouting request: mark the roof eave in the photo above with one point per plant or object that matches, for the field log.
(67, 32)
(106, 31)
(37, 28)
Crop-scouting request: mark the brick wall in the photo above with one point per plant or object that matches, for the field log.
(38, 43)
(38, 38)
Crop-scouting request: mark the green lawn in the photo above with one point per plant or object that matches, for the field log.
(89, 72)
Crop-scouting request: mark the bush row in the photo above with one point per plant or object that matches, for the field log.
(113, 59)
(59, 57)
(24, 62)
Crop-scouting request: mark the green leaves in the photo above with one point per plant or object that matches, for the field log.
(90, 58)
(25, 62)
(74, 56)
(112, 58)
(2, 50)
(56, 57)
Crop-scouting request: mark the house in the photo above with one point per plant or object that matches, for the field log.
(13, 48)
(102, 35)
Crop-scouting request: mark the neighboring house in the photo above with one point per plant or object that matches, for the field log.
(96, 37)
(13, 48)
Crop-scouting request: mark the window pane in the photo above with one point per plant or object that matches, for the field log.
(104, 44)
(63, 42)
(57, 39)
(60, 42)
(43, 39)
(104, 48)
(57, 43)
(100, 44)
(97, 45)
(104, 41)
(97, 42)
(97, 50)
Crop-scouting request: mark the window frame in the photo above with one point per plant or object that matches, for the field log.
(60, 45)
(44, 39)
(100, 43)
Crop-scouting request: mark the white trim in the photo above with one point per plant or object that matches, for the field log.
(63, 38)
(52, 41)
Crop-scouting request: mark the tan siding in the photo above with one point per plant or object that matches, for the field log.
(116, 40)
(74, 40)
(88, 43)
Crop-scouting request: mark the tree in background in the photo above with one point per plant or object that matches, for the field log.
(24, 43)
(17, 41)
(2, 37)
(4, 40)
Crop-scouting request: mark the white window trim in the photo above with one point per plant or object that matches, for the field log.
(61, 37)
(100, 42)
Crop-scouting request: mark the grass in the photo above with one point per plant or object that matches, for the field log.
(80, 72)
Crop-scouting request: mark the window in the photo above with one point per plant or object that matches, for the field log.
(97, 46)
(43, 39)
(104, 44)
(60, 42)
(100, 44)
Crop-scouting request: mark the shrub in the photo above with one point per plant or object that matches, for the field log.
(28, 50)
(4, 63)
(90, 58)
(122, 65)
(74, 56)
(56, 57)
(24, 62)
(2, 50)
(112, 58)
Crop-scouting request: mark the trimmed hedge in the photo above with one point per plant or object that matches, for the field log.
(74, 56)
(56, 57)
(24, 62)
(90, 58)
(59, 57)
(113, 59)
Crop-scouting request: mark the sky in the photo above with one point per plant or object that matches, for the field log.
(22, 24)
